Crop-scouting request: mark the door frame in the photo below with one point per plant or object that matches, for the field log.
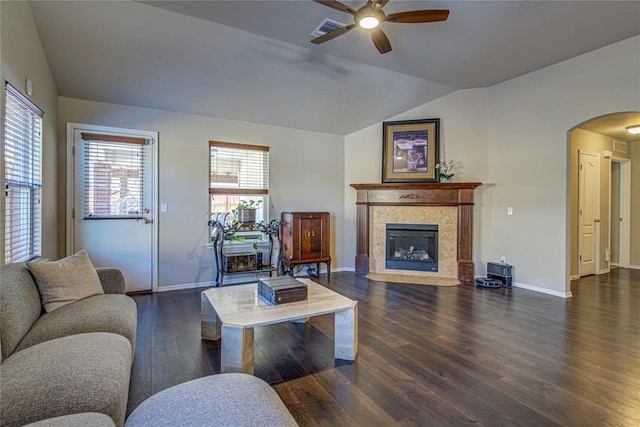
(70, 186)
(624, 250)
(596, 232)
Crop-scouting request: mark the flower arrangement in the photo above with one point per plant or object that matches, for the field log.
(446, 170)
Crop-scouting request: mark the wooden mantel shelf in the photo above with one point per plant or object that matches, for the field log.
(418, 186)
(458, 194)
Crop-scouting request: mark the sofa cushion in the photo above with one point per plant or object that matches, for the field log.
(84, 419)
(78, 373)
(231, 400)
(112, 280)
(100, 313)
(20, 305)
(66, 280)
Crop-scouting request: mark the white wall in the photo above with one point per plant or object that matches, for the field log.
(528, 150)
(22, 58)
(513, 137)
(305, 169)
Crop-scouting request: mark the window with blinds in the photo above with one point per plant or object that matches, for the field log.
(22, 177)
(238, 172)
(113, 175)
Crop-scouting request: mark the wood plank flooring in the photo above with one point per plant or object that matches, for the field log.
(428, 356)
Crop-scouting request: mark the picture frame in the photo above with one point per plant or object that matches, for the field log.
(410, 150)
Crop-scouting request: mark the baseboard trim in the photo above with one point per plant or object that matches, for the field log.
(339, 269)
(605, 271)
(635, 267)
(543, 290)
(574, 277)
(184, 286)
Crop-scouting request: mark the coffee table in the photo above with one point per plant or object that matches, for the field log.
(232, 312)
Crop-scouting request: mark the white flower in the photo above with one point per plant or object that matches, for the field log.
(446, 169)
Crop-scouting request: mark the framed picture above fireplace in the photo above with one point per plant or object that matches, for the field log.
(410, 150)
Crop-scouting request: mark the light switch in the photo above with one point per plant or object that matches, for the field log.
(164, 208)
(510, 210)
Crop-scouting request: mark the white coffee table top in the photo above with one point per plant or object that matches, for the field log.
(241, 306)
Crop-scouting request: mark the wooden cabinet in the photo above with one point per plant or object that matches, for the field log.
(305, 239)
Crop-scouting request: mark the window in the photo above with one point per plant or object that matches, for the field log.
(238, 172)
(22, 177)
(113, 176)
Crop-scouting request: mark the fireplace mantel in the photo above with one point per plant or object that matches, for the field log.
(458, 194)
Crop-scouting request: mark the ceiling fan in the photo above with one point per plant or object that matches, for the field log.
(371, 15)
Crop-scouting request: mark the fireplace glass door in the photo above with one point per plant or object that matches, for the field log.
(412, 247)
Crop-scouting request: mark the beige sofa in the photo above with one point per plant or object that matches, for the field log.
(74, 359)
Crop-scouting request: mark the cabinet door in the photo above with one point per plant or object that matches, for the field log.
(311, 236)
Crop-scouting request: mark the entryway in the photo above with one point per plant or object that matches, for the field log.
(111, 200)
(600, 194)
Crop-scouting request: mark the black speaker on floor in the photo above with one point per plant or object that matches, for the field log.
(500, 271)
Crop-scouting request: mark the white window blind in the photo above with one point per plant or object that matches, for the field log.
(238, 168)
(113, 176)
(22, 177)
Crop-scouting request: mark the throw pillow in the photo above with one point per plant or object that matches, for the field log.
(67, 280)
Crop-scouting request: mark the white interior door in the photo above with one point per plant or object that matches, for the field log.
(588, 212)
(113, 202)
(615, 217)
(624, 219)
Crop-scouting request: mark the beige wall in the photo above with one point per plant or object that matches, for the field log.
(22, 58)
(513, 137)
(306, 173)
(583, 140)
(635, 205)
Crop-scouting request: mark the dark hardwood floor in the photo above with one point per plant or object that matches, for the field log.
(428, 356)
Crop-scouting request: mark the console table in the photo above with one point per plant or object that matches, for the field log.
(221, 231)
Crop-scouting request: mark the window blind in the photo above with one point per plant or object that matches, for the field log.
(22, 177)
(113, 174)
(238, 168)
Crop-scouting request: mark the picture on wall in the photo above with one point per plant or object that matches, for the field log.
(410, 150)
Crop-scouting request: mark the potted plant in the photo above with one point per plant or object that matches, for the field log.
(245, 212)
(446, 170)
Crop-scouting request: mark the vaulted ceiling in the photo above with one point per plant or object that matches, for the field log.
(253, 60)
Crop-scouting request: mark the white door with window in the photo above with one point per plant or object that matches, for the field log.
(588, 212)
(113, 198)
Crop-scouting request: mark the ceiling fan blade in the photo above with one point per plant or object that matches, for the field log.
(418, 16)
(333, 34)
(334, 4)
(381, 41)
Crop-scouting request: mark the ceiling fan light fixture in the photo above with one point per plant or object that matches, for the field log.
(368, 17)
(369, 22)
(633, 130)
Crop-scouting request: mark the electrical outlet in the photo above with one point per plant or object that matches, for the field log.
(503, 259)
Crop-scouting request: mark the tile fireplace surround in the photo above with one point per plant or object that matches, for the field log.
(448, 205)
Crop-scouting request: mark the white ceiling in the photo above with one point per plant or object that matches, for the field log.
(253, 60)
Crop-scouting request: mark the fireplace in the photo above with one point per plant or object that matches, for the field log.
(448, 205)
(412, 247)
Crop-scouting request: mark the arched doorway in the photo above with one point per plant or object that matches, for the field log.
(601, 159)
